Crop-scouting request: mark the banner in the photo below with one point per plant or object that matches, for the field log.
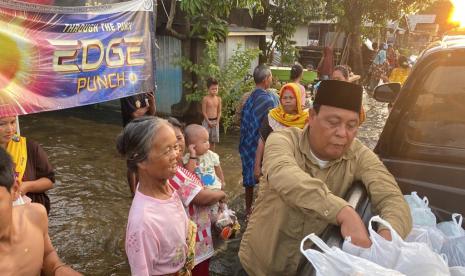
(59, 57)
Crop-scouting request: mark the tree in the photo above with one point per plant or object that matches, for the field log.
(352, 15)
(206, 19)
(283, 16)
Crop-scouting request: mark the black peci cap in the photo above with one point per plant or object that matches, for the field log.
(339, 94)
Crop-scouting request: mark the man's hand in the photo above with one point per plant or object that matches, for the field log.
(352, 226)
(386, 234)
(140, 112)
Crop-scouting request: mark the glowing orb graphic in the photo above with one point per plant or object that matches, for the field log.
(10, 60)
(132, 78)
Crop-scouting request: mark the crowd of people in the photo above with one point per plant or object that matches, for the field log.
(302, 157)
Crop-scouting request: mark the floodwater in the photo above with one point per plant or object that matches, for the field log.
(91, 200)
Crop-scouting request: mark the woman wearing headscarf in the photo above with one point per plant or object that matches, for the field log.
(289, 113)
(325, 67)
(32, 168)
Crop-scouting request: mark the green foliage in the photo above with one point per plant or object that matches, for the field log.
(208, 18)
(351, 15)
(231, 78)
(284, 17)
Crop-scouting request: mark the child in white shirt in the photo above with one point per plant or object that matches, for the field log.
(203, 162)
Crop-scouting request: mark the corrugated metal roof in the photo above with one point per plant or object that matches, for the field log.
(168, 75)
(247, 31)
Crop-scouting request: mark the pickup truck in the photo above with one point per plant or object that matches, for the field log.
(423, 141)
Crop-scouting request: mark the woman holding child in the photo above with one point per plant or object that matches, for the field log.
(289, 113)
(159, 234)
(196, 200)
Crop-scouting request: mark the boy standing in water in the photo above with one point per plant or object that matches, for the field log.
(211, 111)
(25, 247)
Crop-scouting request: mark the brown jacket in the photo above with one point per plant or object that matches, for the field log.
(298, 198)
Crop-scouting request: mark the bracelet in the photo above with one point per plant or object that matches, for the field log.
(57, 267)
(193, 157)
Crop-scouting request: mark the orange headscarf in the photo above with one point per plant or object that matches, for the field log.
(296, 120)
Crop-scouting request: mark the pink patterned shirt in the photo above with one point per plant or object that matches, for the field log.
(156, 235)
(188, 186)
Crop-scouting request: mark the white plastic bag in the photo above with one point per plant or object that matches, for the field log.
(410, 258)
(414, 201)
(423, 217)
(335, 262)
(430, 235)
(453, 228)
(457, 271)
(421, 213)
(454, 249)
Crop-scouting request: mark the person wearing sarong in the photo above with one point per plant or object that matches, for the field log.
(255, 108)
(32, 168)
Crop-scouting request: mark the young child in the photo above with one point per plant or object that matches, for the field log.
(211, 111)
(25, 246)
(203, 162)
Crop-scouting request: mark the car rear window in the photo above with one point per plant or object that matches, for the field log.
(438, 115)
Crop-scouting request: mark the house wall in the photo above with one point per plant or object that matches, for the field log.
(226, 49)
(301, 36)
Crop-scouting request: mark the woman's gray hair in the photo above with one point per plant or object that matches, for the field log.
(135, 141)
(260, 73)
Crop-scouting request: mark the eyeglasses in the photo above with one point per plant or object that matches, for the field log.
(170, 150)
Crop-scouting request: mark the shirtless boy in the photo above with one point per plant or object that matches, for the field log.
(25, 247)
(211, 111)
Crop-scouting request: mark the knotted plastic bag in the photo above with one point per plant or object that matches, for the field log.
(335, 262)
(453, 228)
(421, 213)
(227, 223)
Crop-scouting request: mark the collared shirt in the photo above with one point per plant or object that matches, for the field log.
(298, 198)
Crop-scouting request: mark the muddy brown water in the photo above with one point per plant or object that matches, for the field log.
(91, 200)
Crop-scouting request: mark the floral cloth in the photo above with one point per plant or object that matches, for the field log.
(188, 186)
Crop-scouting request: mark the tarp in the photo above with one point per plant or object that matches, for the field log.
(59, 57)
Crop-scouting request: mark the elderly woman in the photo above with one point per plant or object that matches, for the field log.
(197, 200)
(157, 230)
(289, 113)
(32, 169)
